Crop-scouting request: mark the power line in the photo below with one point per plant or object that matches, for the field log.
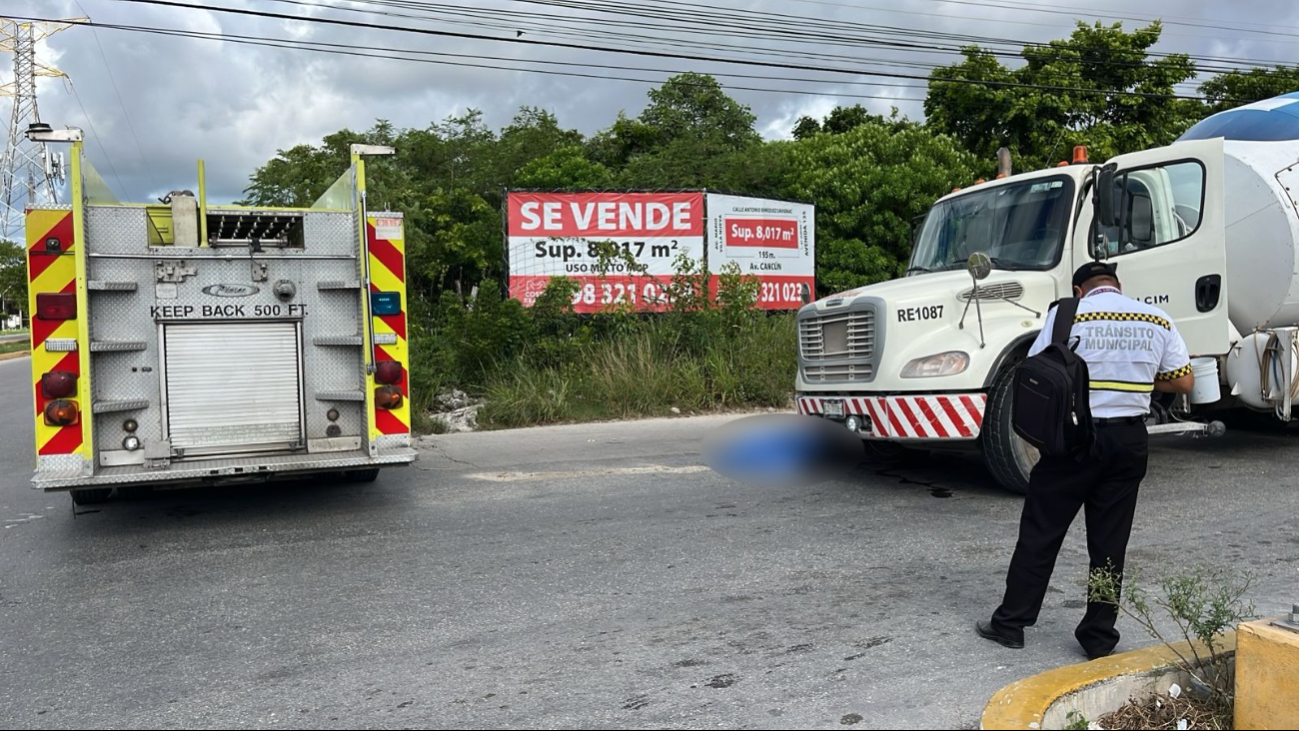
(1001, 21)
(1147, 19)
(357, 51)
(98, 140)
(144, 161)
(639, 52)
(711, 24)
(1016, 47)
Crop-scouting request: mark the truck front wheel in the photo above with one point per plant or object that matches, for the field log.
(1009, 458)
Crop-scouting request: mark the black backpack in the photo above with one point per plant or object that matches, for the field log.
(1052, 408)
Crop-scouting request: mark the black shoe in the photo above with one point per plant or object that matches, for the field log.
(986, 631)
(1097, 655)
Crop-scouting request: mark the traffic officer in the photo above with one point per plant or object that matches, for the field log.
(1131, 350)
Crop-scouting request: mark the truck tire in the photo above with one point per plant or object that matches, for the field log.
(1009, 458)
(93, 496)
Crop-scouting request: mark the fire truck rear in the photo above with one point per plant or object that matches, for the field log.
(182, 344)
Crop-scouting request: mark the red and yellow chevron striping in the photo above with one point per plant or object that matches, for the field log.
(52, 268)
(387, 250)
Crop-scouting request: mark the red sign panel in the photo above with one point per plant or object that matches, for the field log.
(767, 233)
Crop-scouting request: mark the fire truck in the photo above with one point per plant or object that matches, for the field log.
(181, 343)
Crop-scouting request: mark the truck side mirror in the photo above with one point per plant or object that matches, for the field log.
(1106, 208)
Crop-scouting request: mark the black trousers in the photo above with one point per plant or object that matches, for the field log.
(1105, 485)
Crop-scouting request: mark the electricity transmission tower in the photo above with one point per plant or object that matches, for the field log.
(29, 173)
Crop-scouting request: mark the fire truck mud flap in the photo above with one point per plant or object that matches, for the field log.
(232, 469)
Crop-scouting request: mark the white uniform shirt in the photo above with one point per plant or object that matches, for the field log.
(1127, 345)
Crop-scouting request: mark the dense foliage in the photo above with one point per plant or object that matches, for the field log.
(869, 175)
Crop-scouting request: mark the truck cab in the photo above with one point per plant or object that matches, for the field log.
(925, 361)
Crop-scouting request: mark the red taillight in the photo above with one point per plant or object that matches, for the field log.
(387, 371)
(387, 397)
(61, 413)
(56, 306)
(57, 384)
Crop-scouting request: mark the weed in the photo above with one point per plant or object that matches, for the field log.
(1202, 603)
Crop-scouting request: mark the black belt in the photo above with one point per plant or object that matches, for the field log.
(1120, 420)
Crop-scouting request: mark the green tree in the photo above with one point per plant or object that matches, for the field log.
(566, 167)
(689, 124)
(13, 277)
(843, 119)
(868, 184)
(1065, 95)
(534, 134)
(297, 176)
(692, 105)
(1235, 88)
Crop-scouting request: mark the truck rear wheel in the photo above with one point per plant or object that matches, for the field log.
(1009, 458)
(91, 497)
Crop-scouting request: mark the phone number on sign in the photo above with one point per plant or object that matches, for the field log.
(781, 293)
(604, 293)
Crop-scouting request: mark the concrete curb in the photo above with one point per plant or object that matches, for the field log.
(1024, 704)
(18, 354)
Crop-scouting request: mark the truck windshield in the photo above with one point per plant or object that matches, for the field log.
(1021, 226)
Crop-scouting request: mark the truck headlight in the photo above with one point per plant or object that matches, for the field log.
(943, 364)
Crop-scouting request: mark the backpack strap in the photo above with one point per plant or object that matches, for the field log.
(1064, 315)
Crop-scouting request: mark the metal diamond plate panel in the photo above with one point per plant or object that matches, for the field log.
(240, 467)
(116, 230)
(113, 407)
(331, 233)
(389, 442)
(99, 285)
(117, 346)
(344, 396)
(128, 303)
(61, 466)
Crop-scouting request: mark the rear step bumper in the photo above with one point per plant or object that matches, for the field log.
(211, 470)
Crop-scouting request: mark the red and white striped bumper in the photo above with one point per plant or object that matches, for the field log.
(910, 417)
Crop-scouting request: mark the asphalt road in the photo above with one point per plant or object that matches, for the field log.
(574, 577)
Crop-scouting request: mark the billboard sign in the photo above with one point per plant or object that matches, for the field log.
(558, 234)
(774, 241)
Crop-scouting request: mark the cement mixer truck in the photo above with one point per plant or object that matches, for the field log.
(1206, 228)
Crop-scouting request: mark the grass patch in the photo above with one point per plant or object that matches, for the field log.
(712, 350)
(647, 370)
(18, 347)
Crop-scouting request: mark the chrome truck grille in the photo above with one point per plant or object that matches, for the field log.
(838, 347)
(1000, 290)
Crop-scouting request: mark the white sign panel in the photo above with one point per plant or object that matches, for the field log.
(772, 240)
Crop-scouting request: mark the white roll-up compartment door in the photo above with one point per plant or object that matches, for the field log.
(233, 387)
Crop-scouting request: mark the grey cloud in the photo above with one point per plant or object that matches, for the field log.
(235, 105)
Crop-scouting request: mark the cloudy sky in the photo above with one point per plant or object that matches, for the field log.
(154, 104)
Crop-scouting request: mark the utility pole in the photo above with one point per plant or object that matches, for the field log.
(29, 173)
